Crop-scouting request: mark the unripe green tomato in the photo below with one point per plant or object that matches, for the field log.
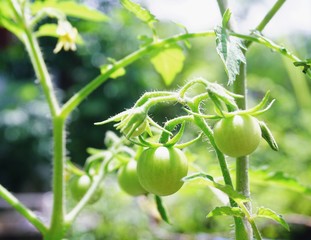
(79, 185)
(128, 179)
(160, 170)
(238, 135)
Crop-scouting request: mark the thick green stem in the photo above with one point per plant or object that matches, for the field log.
(242, 186)
(242, 163)
(41, 71)
(239, 87)
(243, 230)
(36, 57)
(58, 211)
(222, 5)
(57, 220)
(242, 182)
(240, 233)
(56, 230)
(33, 49)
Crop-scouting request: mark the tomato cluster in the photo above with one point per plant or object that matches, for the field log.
(238, 135)
(159, 171)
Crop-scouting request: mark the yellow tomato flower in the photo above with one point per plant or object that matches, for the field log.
(67, 37)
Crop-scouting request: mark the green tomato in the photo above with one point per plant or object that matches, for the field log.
(237, 136)
(79, 186)
(128, 179)
(160, 170)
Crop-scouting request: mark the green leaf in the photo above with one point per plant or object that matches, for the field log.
(203, 178)
(168, 63)
(230, 49)
(267, 135)
(140, 12)
(226, 211)
(72, 9)
(263, 212)
(289, 182)
(279, 179)
(161, 209)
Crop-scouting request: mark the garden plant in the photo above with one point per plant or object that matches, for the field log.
(148, 157)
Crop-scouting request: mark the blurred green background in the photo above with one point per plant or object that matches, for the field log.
(25, 129)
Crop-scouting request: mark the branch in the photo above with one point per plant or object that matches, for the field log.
(23, 210)
(75, 100)
(36, 58)
(271, 45)
(275, 8)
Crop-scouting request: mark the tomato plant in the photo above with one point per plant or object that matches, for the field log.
(238, 135)
(128, 179)
(162, 167)
(160, 170)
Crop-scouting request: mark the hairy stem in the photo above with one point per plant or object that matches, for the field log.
(95, 83)
(242, 182)
(33, 49)
(239, 226)
(58, 212)
(36, 57)
(240, 87)
(271, 45)
(41, 71)
(75, 100)
(221, 158)
(171, 124)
